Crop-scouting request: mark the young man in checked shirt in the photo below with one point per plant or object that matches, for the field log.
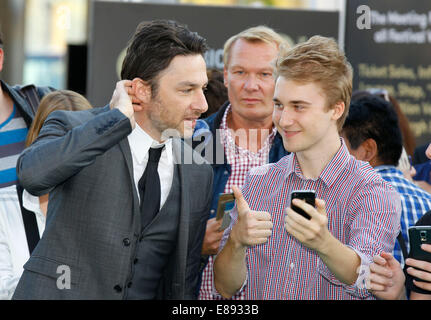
(242, 131)
(372, 134)
(271, 252)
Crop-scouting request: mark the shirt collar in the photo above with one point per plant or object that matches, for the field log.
(140, 142)
(331, 172)
(336, 166)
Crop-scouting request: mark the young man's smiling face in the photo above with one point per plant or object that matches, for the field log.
(302, 116)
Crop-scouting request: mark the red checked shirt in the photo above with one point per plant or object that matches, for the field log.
(241, 161)
(363, 213)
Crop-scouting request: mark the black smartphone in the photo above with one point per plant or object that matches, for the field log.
(308, 195)
(226, 202)
(419, 235)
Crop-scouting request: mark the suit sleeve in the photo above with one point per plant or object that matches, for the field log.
(66, 144)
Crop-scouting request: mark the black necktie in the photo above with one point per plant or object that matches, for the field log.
(149, 187)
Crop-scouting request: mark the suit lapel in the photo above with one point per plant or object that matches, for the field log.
(183, 228)
(127, 154)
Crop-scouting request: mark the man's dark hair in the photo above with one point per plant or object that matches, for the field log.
(372, 117)
(1, 39)
(154, 45)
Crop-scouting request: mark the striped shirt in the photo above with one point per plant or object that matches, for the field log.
(13, 133)
(363, 213)
(415, 202)
(242, 161)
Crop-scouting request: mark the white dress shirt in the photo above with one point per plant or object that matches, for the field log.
(13, 241)
(140, 142)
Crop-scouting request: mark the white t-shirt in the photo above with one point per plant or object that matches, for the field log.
(14, 251)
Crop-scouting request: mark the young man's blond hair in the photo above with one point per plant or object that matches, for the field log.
(319, 60)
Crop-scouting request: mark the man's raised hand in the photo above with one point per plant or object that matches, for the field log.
(124, 100)
(252, 227)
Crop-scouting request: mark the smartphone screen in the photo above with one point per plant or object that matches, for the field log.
(308, 195)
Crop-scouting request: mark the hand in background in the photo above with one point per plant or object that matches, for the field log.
(212, 237)
(421, 270)
(423, 184)
(386, 279)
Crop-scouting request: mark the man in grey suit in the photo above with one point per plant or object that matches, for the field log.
(108, 168)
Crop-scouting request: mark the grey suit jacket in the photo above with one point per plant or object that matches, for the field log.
(83, 160)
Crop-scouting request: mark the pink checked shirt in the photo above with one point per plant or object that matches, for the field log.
(241, 161)
(363, 213)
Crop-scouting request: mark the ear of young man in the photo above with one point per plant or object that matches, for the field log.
(1, 59)
(338, 110)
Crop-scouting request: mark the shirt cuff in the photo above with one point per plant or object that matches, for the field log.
(358, 289)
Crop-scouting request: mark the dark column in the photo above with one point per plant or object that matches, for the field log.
(12, 24)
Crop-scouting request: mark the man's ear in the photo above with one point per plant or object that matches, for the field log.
(338, 110)
(141, 90)
(1, 59)
(225, 76)
(370, 151)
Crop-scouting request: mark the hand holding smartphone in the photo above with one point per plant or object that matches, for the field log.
(308, 195)
(418, 235)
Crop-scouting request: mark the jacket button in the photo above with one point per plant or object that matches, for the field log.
(126, 242)
(118, 288)
(135, 261)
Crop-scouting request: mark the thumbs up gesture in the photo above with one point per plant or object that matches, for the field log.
(252, 227)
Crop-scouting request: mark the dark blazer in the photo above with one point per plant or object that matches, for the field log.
(83, 160)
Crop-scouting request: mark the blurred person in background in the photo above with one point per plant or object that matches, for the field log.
(422, 174)
(408, 137)
(372, 133)
(419, 155)
(22, 215)
(18, 106)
